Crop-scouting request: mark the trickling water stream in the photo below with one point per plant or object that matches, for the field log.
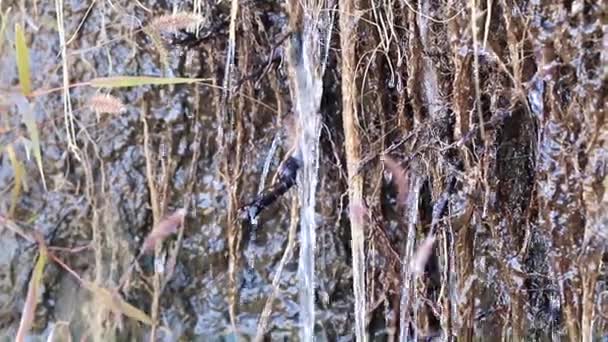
(407, 294)
(307, 88)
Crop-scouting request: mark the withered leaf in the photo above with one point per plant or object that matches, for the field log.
(169, 225)
(29, 309)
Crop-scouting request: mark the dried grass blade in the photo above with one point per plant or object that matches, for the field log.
(133, 312)
(12, 226)
(164, 229)
(19, 171)
(3, 20)
(114, 302)
(134, 81)
(29, 309)
(32, 129)
(23, 60)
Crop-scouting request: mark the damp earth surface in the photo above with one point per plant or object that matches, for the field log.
(495, 111)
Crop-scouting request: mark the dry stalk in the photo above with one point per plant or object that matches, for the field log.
(67, 103)
(156, 215)
(6, 222)
(82, 21)
(94, 199)
(352, 144)
(230, 173)
(473, 7)
(230, 53)
(409, 296)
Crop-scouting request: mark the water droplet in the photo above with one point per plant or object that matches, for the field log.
(193, 205)
(391, 82)
(159, 264)
(162, 150)
(399, 85)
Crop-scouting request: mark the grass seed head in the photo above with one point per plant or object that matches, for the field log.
(106, 104)
(171, 23)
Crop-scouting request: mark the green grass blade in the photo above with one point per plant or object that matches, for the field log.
(134, 81)
(23, 60)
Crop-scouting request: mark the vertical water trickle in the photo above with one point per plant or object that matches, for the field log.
(408, 299)
(306, 88)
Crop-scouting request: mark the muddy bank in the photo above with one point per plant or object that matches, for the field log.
(506, 127)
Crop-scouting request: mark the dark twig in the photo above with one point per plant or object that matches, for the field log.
(441, 205)
(286, 179)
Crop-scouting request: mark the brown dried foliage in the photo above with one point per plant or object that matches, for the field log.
(31, 300)
(165, 228)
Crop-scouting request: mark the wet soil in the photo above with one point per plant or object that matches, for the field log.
(509, 125)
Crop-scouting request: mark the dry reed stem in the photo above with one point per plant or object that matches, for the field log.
(352, 143)
(156, 214)
(228, 172)
(473, 7)
(409, 295)
(230, 149)
(230, 52)
(488, 21)
(31, 300)
(67, 102)
(99, 241)
(232, 153)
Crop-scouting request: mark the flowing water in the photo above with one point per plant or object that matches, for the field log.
(409, 281)
(307, 91)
